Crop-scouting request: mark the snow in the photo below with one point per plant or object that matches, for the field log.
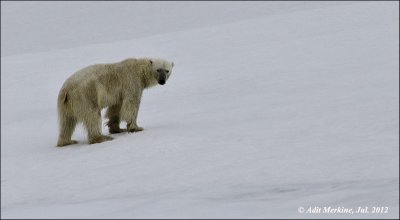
(271, 106)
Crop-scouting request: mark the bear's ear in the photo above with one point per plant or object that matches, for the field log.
(172, 64)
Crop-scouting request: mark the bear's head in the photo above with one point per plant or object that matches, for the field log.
(161, 70)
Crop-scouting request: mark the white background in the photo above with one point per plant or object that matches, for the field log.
(270, 106)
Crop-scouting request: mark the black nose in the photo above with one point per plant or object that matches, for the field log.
(161, 82)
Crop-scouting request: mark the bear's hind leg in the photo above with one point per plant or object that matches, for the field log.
(67, 127)
(92, 123)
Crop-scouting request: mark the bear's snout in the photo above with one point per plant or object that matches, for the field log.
(161, 77)
(161, 82)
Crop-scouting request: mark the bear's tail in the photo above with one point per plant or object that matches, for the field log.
(63, 102)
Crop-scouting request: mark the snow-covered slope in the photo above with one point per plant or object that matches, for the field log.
(42, 26)
(263, 114)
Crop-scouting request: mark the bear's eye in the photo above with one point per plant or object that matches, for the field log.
(167, 71)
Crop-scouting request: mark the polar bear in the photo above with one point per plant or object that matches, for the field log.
(118, 86)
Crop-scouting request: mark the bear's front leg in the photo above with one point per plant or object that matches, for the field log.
(129, 113)
(134, 128)
(113, 115)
